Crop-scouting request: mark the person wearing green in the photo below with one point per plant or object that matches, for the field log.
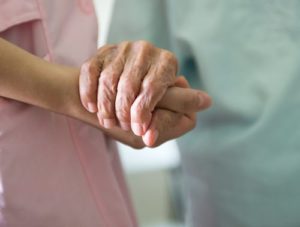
(241, 164)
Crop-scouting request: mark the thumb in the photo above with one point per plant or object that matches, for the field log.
(182, 82)
(167, 125)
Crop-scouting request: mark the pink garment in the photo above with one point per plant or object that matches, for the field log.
(56, 171)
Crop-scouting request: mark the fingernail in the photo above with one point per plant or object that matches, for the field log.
(150, 137)
(109, 123)
(137, 129)
(125, 126)
(201, 100)
(206, 100)
(92, 107)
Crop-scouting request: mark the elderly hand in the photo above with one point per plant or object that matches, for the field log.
(173, 117)
(132, 85)
(123, 83)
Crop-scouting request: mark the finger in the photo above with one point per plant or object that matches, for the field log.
(88, 83)
(167, 125)
(107, 88)
(88, 77)
(181, 82)
(184, 100)
(159, 78)
(130, 82)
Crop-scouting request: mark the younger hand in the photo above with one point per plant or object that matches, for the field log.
(167, 124)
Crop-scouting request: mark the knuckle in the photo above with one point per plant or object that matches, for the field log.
(169, 56)
(93, 68)
(108, 82)
(143, 54)
(105, 48)
(124, 43)
(88, 73)
(137, 67)
(90, 68)
(106, 55)
(170, 59)
(110, 73)
(121, 53)
(125, 83)
(151, 85)
(128, 86)
(153, 91)
(138, 108)
(118, 63)
(144, 44)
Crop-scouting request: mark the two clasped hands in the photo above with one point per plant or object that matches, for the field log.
(133, 87)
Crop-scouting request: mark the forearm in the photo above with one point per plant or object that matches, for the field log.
(29, 79)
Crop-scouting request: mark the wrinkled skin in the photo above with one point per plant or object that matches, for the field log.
(133, 86)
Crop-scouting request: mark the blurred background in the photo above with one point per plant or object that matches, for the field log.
(241, 162)
(153, 175)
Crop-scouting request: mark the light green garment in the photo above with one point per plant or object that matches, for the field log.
(242, 162)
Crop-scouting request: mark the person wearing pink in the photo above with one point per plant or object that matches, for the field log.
(57, 168)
